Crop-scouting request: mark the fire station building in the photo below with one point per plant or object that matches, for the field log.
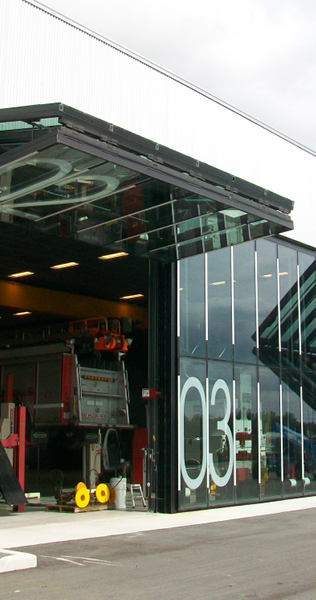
(157, 276)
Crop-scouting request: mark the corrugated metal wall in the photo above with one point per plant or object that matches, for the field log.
(44, 59)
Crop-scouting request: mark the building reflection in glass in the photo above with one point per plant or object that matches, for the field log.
(248, 315)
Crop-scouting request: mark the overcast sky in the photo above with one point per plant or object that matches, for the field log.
(257, 55)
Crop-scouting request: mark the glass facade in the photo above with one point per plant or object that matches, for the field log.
(247, 358)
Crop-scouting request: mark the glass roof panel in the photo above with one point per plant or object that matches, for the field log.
(18, 125)
(79, 194)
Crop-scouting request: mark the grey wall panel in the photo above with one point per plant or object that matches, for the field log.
(44, 59)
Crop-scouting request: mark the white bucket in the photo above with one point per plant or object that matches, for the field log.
(119, 485)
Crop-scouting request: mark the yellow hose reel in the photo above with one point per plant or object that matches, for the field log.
(102, 494)
(80, 485)
(82, 497)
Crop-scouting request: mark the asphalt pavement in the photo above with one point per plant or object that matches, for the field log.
(255, 557)
(260, 551)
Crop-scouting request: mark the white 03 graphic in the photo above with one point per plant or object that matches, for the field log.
(223, 426)
(193, 382)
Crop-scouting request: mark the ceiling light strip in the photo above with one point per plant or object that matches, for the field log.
(114, 255)
(22, 274)
(132, 297)
(65, 265)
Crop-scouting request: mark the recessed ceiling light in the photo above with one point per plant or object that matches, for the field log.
(114, 255)
(132, 296)
(218, 283)
(22, 274)
(283, 273)
(266, 276)
(65, 265)
(22, 314)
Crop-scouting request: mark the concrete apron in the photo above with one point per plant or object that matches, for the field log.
(16, 561)
(33, 528)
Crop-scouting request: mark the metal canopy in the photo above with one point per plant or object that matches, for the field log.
(67, 174)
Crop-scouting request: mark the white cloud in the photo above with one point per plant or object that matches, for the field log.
(258, 55)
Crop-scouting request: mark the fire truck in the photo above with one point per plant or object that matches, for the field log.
(72, 375)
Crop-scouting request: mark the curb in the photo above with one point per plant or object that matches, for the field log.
(16, 561)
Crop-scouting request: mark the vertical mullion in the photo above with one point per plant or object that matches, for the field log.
(299, 312)
(258, 382)
(207, 432)
(178, 378)
(259, 432)
(279, 303)
(281, 388)
(179, 438)
(256, 299)
(232, 292)
(300, 354)
(232, 273)
(207, 379)
(281, 433)
(174, 228)
(206, 295)
(234, 431)
(302, 432)
(178, 298)
(201, 228)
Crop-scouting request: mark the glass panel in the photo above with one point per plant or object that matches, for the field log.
(190, 248)
(267, 302)
(292, 442)
(18, 125)
(308, 324)
(220, 373)
(307, 265)
(246, 433)
(309, 412)
(261, 228)
(192, 452)
(270, 445)
(219, 305)
(67, 192)
(221, 446)
(192, 306)
(244, 291)
(45, 169)
(288, 304)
